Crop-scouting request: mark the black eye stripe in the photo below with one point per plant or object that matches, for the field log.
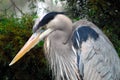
(46, 19)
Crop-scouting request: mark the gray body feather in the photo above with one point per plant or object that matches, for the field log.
(99, 57)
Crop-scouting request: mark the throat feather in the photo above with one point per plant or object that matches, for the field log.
(62, 62)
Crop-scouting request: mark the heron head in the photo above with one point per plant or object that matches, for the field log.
(45, 20)
(52, 21)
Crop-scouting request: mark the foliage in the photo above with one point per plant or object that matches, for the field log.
(105, 14)
(14, 32)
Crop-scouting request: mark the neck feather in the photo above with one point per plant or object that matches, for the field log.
(63, 68)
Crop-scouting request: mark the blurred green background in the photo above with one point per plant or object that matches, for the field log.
(14, 32)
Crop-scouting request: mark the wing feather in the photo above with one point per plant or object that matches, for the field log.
(98, 59)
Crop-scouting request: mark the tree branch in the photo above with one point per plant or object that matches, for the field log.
(16, 7)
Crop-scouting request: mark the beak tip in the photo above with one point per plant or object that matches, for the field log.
(11, 63)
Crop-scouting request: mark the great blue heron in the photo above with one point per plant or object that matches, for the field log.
(78, 51)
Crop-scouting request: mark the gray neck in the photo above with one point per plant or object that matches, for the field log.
(60, 56)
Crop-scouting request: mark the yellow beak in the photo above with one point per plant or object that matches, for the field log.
(33, 40)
